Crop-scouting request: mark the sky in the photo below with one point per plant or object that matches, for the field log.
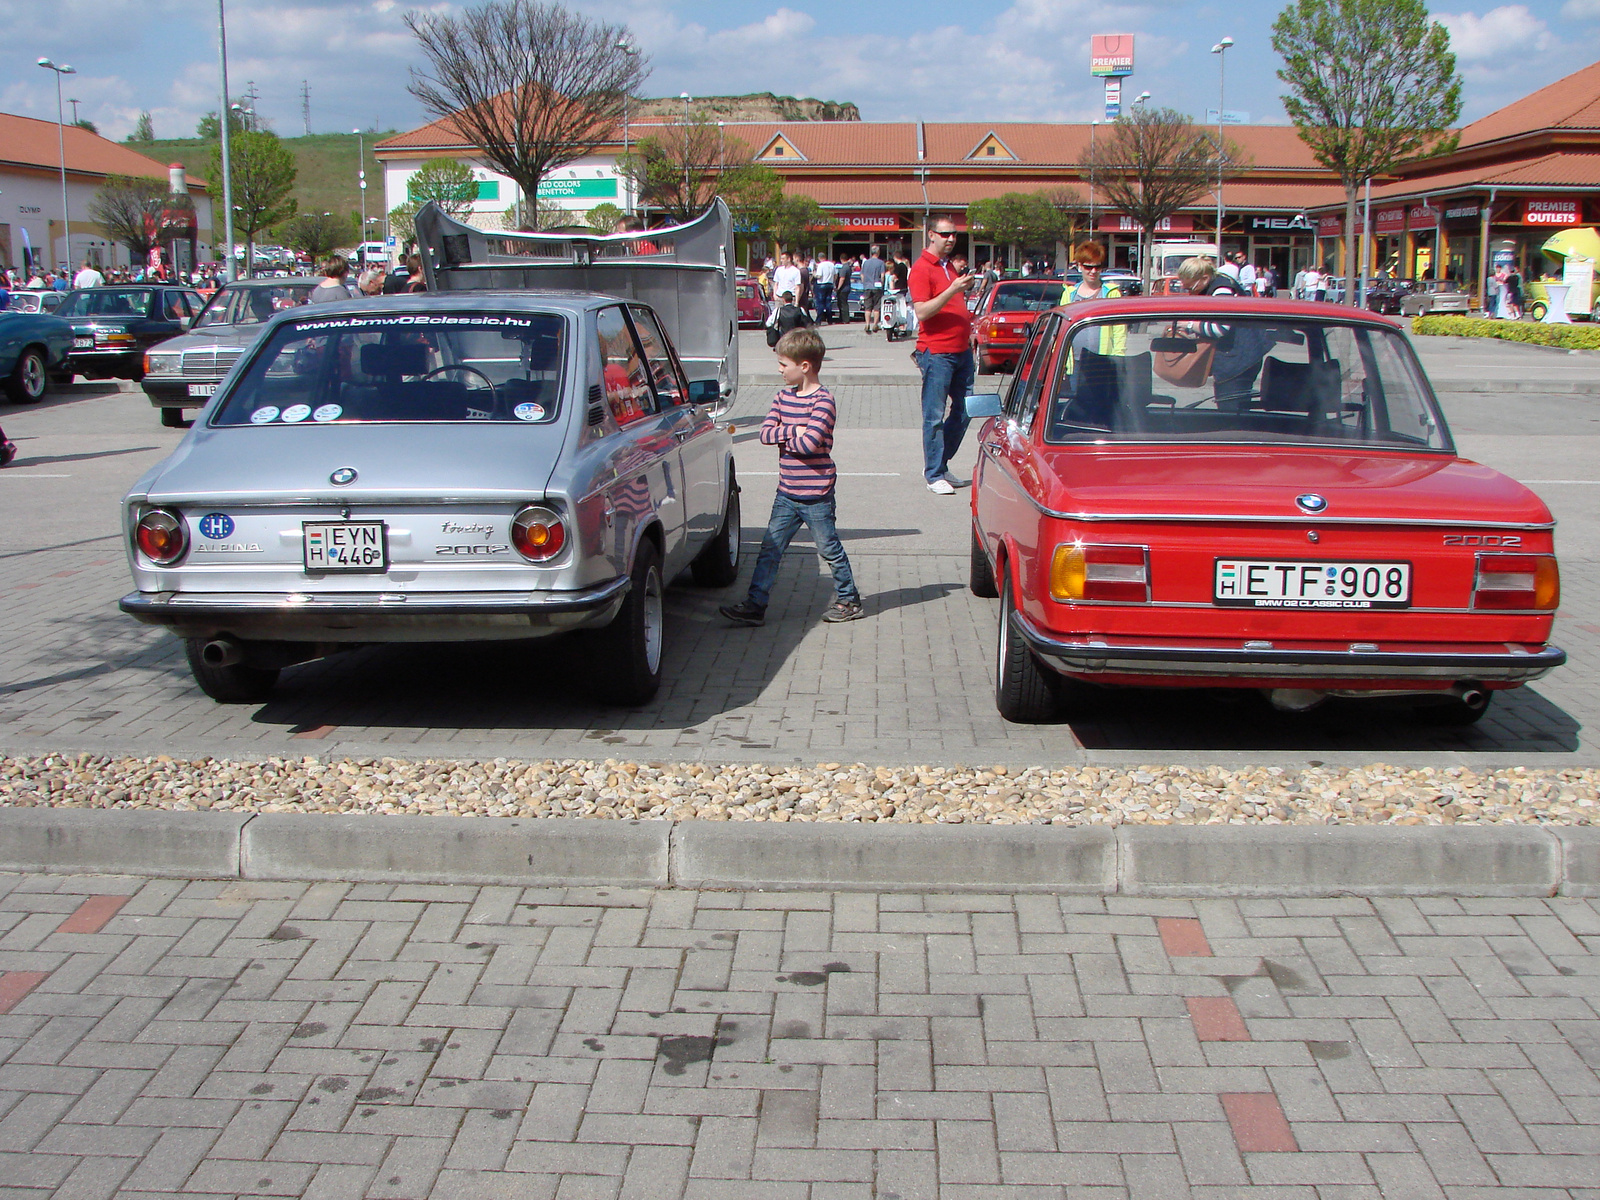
(937, 60)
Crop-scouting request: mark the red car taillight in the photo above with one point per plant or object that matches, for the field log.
(1517, 581)
(537, 533)
(161, 537)
(1081, 572)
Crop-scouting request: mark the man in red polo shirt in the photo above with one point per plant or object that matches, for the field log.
(943, 354)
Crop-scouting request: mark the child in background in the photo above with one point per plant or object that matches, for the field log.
(800, 425)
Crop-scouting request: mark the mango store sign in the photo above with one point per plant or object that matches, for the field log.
(1117, 223)
(578, 189)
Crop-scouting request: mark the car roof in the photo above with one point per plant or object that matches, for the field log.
(533, 299)
(1225, 306)
(275, 281)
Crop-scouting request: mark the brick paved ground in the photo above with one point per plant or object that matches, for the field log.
(912, 683)
(202, 1039)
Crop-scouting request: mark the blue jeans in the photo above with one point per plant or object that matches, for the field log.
(788, 514)
(824, 301)
(944, 376)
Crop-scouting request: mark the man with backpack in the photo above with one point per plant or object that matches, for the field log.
(788, 315)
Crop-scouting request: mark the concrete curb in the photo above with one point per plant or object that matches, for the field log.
(1172, 860)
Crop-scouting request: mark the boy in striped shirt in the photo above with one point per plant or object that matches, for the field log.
(800, 425)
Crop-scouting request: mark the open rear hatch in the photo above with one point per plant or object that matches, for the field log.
(684, 272)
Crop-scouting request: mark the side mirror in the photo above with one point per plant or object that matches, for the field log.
(982, 407)
(704, 391)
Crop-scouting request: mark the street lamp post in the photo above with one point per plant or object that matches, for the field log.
(61, 146)
(1221, 51)
(1141, 98)
(688, 204)
(627, 184)
(1093, 127)
(227, 170)
(361, 184)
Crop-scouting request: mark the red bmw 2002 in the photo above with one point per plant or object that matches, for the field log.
(1188, 492)
(1004, 314)
(752, 307)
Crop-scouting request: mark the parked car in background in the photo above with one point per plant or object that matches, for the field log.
(1536, 301)
(1387, 295)
(33, 302)
(1242, 493)
(33, 350)
(113, 326)
(182, 372)
(1000, 325)
(1433, 296)
(752, 305)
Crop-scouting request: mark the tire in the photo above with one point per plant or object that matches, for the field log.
(985, 365)
(628, 651)
(29, 380)
(980, 578)
(1023, 692)
(173, 418)
(717, 564)
(1538, 310)
(238, 684)
(1455, 714)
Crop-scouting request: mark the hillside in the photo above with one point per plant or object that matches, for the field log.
(760, 106)
(327, 164)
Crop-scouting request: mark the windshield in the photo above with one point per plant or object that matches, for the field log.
(404, 367)
(1026, 297)
(252, 305)
(107, 302)
(1244, 380)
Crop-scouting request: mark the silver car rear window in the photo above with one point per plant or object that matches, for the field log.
(406, 367)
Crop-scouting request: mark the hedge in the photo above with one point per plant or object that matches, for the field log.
(1568, 337)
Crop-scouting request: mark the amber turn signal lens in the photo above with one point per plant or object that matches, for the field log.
(161, 537)
(1067, 572)
(1088, 572)
(537, 533)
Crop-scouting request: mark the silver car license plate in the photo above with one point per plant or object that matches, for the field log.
(202, 389)
(83, 343)
(353, 547)
(1270, 583)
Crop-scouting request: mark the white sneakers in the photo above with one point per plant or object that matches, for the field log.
(942, 487)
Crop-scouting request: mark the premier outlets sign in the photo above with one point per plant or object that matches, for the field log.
(1551, 212)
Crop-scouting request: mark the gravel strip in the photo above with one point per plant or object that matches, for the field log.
(612, 789)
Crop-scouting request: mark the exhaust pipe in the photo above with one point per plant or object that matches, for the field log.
(222, 652)
(1295, 700)
(1471, 695)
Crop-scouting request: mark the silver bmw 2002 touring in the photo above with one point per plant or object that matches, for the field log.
(481, 461)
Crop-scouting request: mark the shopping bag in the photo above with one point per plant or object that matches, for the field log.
(1182, 362)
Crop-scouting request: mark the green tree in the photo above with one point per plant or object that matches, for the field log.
(129, 209)
(1154, 162)
(605, 217)
(318, 234)
(263, 178)
(144, 129)
(85, 123)
(1371, 83)
(208, 130)
(1024, 219)
(448, 182)
(800, 223)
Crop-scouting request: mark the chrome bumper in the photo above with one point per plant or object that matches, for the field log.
(377, 616)
(1101, 658)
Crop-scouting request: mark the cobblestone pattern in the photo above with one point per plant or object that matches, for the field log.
(164, 1038)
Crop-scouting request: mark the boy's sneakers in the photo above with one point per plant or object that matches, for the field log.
(941, 487)
(8, 451)
(744, 613)
(844, 610)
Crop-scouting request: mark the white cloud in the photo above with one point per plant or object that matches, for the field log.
(1581, 10)
(1500, 32)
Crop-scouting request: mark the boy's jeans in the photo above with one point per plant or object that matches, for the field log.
(788, 514)
(944, 377)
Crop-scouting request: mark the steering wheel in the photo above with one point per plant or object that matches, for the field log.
(494, 396)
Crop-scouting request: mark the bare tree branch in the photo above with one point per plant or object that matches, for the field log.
(129, 209)
(533, 86)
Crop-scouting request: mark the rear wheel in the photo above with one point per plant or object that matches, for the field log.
(628, 651)
(980, 577)
(236, 684)
(985, 363)
(29, 380)
(1023, 692)
(1538, 310)
(717, 565)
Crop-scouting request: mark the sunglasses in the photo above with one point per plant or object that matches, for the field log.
(942, 232)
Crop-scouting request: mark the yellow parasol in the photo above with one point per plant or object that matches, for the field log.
(1585, 243)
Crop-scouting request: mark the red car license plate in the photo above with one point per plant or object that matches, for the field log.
(1272, 583)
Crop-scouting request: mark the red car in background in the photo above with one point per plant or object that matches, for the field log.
(752, 307)
(1195, 492)
(1004, 314)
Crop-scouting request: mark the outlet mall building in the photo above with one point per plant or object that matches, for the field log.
(881, 180)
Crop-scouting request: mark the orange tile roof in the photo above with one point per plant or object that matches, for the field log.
(944, 193)
(1554, 170)
(1569, 103)
(29, 142)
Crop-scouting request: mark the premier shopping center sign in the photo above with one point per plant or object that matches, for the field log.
(1551, 212)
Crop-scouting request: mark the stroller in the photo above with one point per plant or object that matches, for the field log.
(898, 318)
